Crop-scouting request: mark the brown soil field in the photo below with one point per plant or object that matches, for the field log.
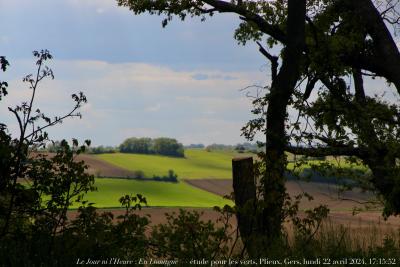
(220, 187)
(341, 205)
(102, 168)
(322, 193)
(98, 167)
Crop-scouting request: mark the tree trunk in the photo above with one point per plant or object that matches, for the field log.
(281, 91)
(244, 187)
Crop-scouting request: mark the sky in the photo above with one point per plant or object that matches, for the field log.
(183, 81)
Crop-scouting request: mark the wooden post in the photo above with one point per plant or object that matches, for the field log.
(244, 189)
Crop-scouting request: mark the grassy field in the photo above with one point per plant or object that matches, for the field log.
(197, 164)
(158, 194)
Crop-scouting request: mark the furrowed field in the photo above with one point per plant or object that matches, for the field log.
(197, 164)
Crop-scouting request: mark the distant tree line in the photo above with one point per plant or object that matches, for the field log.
(201, 146)
(55, 147)
(159, 146)
(241, 147)
(219, 147)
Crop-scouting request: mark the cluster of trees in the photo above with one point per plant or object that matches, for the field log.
(160, 146)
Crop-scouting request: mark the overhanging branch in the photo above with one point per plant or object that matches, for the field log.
(273, 30)
(326, 151)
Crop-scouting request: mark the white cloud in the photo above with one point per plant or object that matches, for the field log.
(98, 6)
(100, 10)
(139, 132)
(208, 131)
(95, 3)
(4, 39)
(125, 99)
(154, 108)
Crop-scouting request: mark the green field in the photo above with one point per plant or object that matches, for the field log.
(337, 163)
(158, 194)
(197, 164)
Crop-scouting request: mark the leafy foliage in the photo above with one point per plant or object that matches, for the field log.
(36, 191)
(185, 236)
(3, 85)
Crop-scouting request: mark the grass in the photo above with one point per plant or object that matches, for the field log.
(197, 164)
(344, 245)
(336, 162)
(158, 194)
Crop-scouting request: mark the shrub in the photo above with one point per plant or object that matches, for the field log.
(138, 175)
(171, 177)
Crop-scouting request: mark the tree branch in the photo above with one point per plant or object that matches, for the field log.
(385, 60)
(358, 86)
(273, 30)
(326, 151)
(310, 86)
(271, 58)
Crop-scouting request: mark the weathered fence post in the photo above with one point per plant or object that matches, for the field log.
(244, 188)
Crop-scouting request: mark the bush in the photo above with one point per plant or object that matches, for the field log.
(138, 175)
(171, 177)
